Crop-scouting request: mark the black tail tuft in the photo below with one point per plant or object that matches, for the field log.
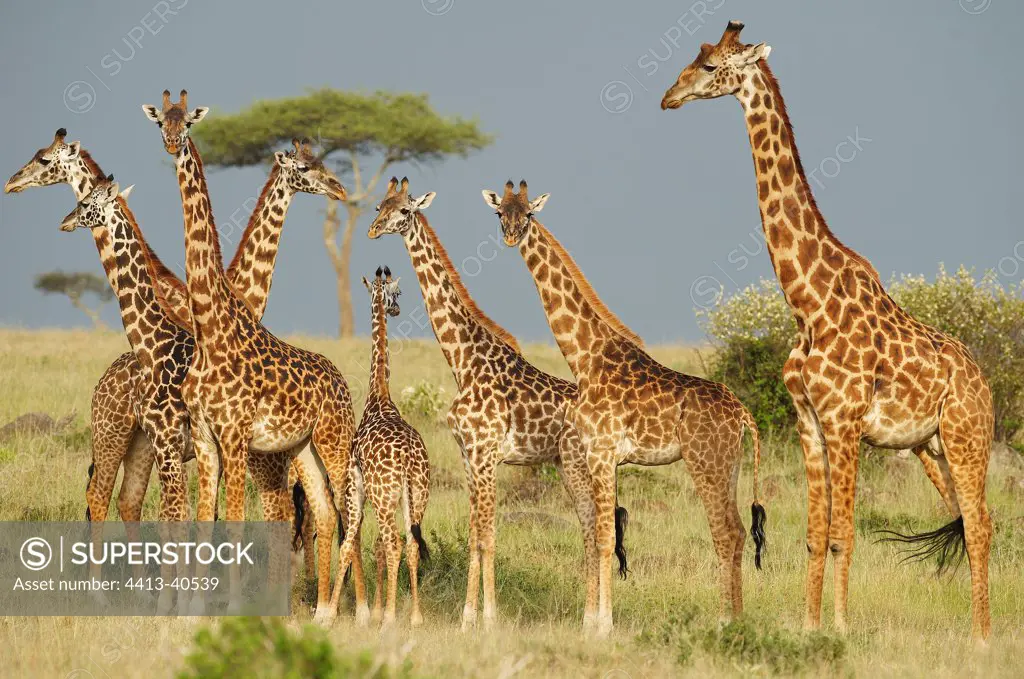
(299, 500)
(621, 521)
(88, 510)
(948, 543)
(417, 535)
(759, 517)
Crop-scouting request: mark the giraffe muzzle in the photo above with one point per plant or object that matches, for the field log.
(14, 185)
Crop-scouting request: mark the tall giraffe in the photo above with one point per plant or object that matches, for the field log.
(506, 410)
(117, 435)
(246, 391)
(863, 368)
(392, 462)
(632, 409)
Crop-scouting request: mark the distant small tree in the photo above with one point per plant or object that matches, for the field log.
(75, 285)
(351, 128)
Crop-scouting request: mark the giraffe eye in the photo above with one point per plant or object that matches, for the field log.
(710, 68)
(188, 124)
(159, 123)
(405, 210)
(44, 161)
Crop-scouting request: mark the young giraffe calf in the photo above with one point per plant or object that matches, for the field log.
(390, 462)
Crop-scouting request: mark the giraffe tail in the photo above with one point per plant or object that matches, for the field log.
(88, 509)
(758, 515)
(299, 500)
(621, 521)
(948, 544)
(417, 535)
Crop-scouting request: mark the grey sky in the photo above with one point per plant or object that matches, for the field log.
(652, 204)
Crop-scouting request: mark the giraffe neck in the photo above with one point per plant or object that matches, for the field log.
(209, 294)
(804, 252)
(82, 174)
(454, 324)
(579, 326)
(251, 271)
(380, 368)
(144, 320)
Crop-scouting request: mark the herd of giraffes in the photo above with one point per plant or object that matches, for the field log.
(205, 378)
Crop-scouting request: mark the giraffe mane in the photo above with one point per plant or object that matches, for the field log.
(460, 289)
(157, 274)
(773, 85)
(586, 289)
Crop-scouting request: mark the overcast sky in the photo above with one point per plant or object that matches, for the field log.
(657, 207)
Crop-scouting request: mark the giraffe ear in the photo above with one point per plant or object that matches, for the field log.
(537, 204)
(424, 201)
(199, 113)
(491, 198)
(127, 192)
(754, 53)
(366, 284)
(282, 158)
(152, 112)
(73, 149)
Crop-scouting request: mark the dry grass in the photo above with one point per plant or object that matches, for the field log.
(905, 621)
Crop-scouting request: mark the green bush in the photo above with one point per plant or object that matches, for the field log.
(424, 401)
(748, 645)
(753, 332)
(264, 648)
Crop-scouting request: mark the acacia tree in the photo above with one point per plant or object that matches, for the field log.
(352, 130)
(74, 286)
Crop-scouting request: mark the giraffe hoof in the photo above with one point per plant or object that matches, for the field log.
(417, 619)
(323, 617)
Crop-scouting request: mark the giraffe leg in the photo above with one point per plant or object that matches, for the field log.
(967, 440)
(842, 442)
(380, 558)
(138, 465)
(208, 465)
(473, 577)
(937, 469)
(487, 499)
(601, 464)
(412, 557)
(325, 517)
(818, 498)
(353, 521)
(572, 468)
(716, 486)
(110, 448)
(169, 446)
(391, 543)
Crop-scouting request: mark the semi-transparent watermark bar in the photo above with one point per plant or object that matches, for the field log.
(113, 568)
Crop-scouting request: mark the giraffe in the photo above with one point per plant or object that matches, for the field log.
(632, 409)
(164, 352)
(251, 397)
(863, 368)
(391, 460)
(506, 411)
(117, 436)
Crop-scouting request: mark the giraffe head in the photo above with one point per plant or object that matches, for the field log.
(515, 210)
(48, 166)
(397, 211)
(97, 208)
(384, 290)
(718, 70)
(304, 172)
(174, 120)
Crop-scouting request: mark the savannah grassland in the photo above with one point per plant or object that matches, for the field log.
(905, 621)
